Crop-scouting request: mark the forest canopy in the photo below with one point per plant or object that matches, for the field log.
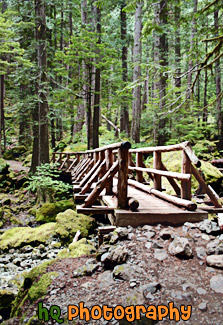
(85, 73)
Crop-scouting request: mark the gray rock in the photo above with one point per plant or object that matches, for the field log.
(147, 228)
(215, 261)
(180, 295)
(127, 272)
(87, 269)
(215, 247)
(150, 234)
(191, 225)
(216, 283)
(203, 306)
(157, 245)
(115, 257)
(166, 233)
(148, 245)
(209, 226)
(152, 287)
(105, 279)
(160, 254)
(201, 253)
(201, 291)
(180, 246)
(205, 237)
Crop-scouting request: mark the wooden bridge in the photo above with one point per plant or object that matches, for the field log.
(115, 176)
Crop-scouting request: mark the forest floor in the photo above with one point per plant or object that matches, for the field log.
(149, 275)
(17, 166)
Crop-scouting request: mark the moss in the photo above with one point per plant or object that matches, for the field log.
(172, 161)
(14, 152)
(6, 299)
(27, 161)
(15, 221)
(48, 212)
(4, 167)
(80, 248)
(29, 281)
(18, 237)
(39, 289)
(69, 222)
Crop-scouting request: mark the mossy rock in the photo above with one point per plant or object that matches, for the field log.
(27, 161)
(21, 236)
(6, 299)
(39, 289)
(49, 211)
(4, 167)
(69, 222)
(77, 249)
(14, 152)
(173, 160)
(34, 286)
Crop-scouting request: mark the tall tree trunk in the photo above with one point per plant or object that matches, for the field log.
(218, 89)
(190, 65)
(205, 110)
(42, 88)
(2, 94)
(82, 107)
(177, 46)
(124, 113)
(96, 116)
(137, 52)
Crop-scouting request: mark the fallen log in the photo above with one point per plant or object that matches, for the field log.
(175, 200)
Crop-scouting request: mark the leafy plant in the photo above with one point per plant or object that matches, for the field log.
(46, 185)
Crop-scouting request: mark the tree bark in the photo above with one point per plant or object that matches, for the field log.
(218, 89)
(177, 46)
(137, 52)
(96, 116)
(124, 113)
(42, 88)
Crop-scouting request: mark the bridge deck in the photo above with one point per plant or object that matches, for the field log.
(151, 210)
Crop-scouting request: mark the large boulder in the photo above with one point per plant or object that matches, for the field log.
(22, 236)
(49, 211)
(69, 222)
(77, 249)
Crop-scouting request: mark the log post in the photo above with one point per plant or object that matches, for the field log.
(123, 160)
(68, 160)
(60, 159)
(109, 163)
(78, 158)
(157, 164)
(102, 158)
(54, 157)
(186, 184)
(96, 157)
(139, 163)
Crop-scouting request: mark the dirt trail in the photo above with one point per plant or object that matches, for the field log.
(17, 166)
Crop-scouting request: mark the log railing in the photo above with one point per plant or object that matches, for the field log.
(97, 168)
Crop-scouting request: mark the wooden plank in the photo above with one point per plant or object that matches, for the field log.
(94, 209)
(174, 147)
(211, 209)
(161, 172)
(89, 174)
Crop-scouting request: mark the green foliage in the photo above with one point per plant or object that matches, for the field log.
(46, 185)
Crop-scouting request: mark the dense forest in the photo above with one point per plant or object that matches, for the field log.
(91, 72)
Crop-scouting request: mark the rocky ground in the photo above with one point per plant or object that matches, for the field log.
(149, 265)
(146, 266)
